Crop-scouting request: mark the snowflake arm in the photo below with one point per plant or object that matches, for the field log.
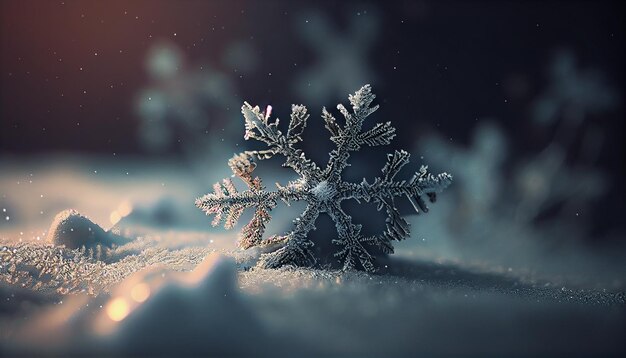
(228, 204)
(422, 183)
(350, 239)
(350, 138)
(383, 192)
(260, 128)
(297, 247)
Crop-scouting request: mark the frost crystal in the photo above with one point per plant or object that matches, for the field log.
(322, 188)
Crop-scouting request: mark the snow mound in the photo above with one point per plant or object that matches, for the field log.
(74, 230)
(200, 312)
(154, 312)
(216, 311)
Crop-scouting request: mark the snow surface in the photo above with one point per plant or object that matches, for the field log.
(204, 300)
(186, 291)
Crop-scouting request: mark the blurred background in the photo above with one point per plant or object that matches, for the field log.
(128, 111)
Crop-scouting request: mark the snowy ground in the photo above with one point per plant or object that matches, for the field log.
(182, 289)
(62, 301)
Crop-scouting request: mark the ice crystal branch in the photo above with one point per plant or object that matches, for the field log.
(321, 188)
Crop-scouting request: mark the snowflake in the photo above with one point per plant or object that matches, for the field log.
(342, 56)
(322, 188)
(179, 98)
(573, 93)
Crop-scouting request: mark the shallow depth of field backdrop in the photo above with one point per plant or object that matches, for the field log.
(128, 111)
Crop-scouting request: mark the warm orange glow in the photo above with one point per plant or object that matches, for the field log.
(115, 217)
(140, 292)
(117, 309)
(125, 208)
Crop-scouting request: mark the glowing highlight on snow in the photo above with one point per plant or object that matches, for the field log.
(125, 208)
(115, 217)
(117, 309)
(140, 292)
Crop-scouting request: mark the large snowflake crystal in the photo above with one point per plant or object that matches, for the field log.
(322, 188)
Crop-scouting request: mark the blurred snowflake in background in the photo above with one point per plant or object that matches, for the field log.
(341, 56)
(190, 108)
(189, 105)
(508, 206)
(573, 94)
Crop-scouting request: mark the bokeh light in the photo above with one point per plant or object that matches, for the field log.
(117, 309)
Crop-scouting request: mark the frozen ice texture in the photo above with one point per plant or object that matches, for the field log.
(322, 188)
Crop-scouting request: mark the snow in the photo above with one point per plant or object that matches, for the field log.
(73, 230)
(165, 286)
(219, 307)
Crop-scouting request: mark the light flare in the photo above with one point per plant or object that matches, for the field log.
(140, 292)
(117, 309)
